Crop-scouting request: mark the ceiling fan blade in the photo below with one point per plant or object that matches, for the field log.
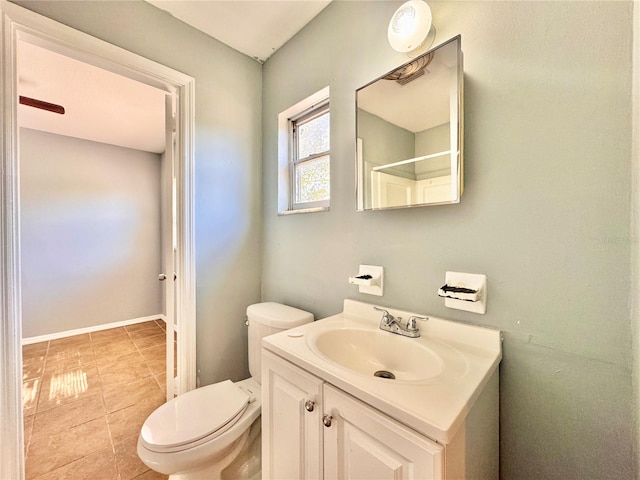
(49, 107)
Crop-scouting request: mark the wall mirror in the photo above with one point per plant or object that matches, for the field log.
(409, 133)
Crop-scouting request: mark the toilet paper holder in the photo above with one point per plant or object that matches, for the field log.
(465, 291)
(370, 279)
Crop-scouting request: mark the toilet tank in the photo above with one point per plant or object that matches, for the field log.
(266, 319)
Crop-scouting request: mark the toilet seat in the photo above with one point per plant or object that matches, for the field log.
(179, 424)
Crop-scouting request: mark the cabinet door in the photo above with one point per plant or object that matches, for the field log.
(291, 421)
(364, 444)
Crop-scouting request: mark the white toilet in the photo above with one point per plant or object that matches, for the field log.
(200, 433)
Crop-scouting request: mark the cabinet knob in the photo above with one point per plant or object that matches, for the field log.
(326, 420)
(309, 405)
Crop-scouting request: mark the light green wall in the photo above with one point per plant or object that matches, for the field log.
(433, 140)
(383, 142)
(545, 213)
(227, 163)
(635, 229)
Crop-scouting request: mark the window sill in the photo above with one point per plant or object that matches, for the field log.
(304, 210)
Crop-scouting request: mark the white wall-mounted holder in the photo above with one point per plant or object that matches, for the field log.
(370, 280)
(465, 291)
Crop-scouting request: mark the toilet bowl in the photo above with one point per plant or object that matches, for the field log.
(200, 433)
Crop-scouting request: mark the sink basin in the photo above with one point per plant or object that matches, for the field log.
(389, 357)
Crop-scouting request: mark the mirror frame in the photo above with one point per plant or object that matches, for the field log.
(455, 132)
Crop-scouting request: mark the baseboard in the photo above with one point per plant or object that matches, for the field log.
(96, 328)
(164, 319)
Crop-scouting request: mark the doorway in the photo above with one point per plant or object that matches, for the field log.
(19, 24)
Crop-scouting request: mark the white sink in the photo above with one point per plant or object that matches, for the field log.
(385, 356)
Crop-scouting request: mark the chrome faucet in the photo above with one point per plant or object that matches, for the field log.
(389, 323)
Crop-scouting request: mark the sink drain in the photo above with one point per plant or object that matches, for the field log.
(384, 374)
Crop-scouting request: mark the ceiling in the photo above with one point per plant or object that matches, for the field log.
(105, 107)
(99, 105)
(418, 105)
(256, 28)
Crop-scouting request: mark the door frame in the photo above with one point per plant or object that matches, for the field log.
(19, 23)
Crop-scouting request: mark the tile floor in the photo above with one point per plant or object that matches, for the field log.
(85, 398)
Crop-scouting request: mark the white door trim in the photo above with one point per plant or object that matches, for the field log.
(19, 23)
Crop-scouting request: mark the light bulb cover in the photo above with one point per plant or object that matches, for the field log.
(409, 26)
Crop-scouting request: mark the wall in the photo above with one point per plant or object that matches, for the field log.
(433, 140)
(90, 222)
(635, 230)
(383, 142)
(545, 213)
(227, 163)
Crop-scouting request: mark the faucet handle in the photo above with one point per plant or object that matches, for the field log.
(411, 323)
(386, 316)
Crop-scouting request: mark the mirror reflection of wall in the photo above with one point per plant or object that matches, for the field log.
(408, 133)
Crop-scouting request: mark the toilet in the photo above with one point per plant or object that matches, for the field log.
(201, 433)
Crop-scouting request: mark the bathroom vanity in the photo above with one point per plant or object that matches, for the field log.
(331, 409)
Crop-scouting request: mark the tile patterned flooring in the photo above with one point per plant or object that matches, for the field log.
(85, 398)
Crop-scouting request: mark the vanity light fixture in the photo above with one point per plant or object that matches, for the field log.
(410, 29)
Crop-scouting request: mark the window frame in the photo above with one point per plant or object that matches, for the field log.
(310, 107)
(294, 161)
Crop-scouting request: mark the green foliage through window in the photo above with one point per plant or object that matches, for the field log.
(312, 180)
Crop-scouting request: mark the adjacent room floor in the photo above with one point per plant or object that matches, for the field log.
(85, 398)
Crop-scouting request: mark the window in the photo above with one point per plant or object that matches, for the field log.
(310, 160)
(304, 156)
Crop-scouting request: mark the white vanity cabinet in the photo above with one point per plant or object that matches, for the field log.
(312, 430)
(328, 414)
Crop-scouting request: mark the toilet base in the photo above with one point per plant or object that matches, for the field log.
(248, 464)
(241, 462)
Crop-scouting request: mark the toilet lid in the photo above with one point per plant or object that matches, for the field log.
(206, 412)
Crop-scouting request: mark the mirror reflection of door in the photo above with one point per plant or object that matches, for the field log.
(408, 127)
